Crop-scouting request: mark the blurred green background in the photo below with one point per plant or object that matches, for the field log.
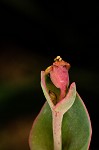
(32, 34)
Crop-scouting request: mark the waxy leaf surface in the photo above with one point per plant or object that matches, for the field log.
(76, 128)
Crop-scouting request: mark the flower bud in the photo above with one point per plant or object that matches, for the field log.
(59, 75)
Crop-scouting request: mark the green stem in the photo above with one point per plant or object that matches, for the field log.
(57, 125)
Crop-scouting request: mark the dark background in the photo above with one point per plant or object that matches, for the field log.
(32, 34)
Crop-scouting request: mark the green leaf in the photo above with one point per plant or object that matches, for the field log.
(76, 128)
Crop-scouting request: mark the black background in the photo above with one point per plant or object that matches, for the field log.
(32, 34)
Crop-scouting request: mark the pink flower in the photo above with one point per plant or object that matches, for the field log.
(59, 75)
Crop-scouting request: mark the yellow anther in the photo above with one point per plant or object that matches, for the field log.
(58, 58)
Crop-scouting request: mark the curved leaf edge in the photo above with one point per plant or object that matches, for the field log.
(90, 127)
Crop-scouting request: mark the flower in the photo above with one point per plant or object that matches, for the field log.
(59, 75)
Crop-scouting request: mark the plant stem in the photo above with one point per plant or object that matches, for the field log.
(57, 126)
